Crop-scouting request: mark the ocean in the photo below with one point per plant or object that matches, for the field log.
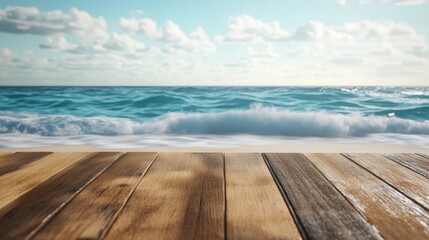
(209, 116)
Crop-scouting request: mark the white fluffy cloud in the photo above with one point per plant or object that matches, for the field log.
(169, 33)
(387, 31)
(57, 43)
(29, 20)
(396, 2)
(114, 43)
(5, 53)
(248, 29)
(5, 58)
(119, 42)
(317, 31)
(366, 49)
(267, 53)
(365, 31)
(373, 44)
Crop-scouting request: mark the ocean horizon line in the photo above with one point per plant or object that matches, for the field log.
(214, 86)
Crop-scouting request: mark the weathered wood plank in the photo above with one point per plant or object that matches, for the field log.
(392, 213)
(19, 218)
(410, 183)
(15, 184)
(256, 208)
(5, 153)
(12, 162)
(323, 212)
(414, 162)
(89, 214)
(421, 156)
(180, 197)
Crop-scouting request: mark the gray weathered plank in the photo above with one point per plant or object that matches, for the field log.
(410, 183)
(392, 213)
(323, 212)
(414, 162)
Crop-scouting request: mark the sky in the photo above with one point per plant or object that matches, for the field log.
(223, 42)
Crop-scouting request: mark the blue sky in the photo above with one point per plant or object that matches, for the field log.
(240, 42)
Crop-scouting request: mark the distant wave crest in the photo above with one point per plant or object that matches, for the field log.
(257, 120)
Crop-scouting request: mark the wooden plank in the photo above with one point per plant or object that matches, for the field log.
(323, 212)
(420, 157)
(19, 218)
(414, 162)
(180, 197)
(408, 182)
(16, 183)
(15, 161)
(89, 214)
(392, 213)
(256, 208)
(5, 153)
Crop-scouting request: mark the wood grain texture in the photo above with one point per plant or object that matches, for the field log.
(89, 214)
(323, 212)
(415, 162)
(392, 213)
(180, 197)
(19, 218)
(16, 183)
(410, 183)
(256, 208)
(12, 162)
(5, 153)
(426, 155)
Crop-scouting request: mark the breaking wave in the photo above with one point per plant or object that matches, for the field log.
(258, 120)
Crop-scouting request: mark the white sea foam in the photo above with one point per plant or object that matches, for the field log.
(257, 120)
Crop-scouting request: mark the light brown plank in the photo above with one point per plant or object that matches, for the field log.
(17, 183)
(19, 218)
(323, 212)
(180, 197)
(89, 214)
(256, 208)
(5, 153)
(12, 162)
(410, 183)
(392, 213)
(426, 155)
(414, 162)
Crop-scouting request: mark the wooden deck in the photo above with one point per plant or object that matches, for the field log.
(213, 196)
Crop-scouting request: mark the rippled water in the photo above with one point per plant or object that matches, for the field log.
(140, 104)
(264, 111)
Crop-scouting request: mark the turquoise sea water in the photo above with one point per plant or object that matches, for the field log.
(139, 113)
